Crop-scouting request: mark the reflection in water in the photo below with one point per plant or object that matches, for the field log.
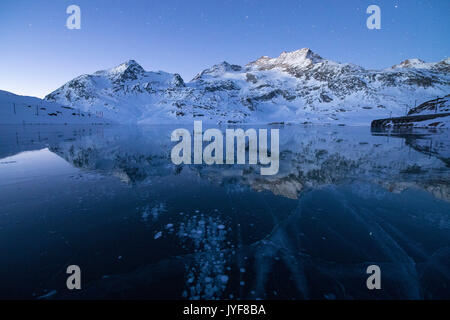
(141, 227)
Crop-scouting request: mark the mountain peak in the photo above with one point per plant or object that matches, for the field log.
(445, 61)
(128, 66)
(229, 67)
(410, 63)
(298, 59)
(305, 53)
(218, 70)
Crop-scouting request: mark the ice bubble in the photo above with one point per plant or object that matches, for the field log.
(158, 235)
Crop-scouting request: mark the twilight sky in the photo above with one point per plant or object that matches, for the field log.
(38, 53)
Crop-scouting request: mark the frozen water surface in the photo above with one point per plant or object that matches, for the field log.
(110, 200)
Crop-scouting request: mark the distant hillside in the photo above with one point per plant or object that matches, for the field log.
(438, 105)
(15, 109)
(430, 114)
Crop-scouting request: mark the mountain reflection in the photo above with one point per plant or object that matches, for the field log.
(310, 158)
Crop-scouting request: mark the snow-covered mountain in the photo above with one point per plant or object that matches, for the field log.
(298, 86)
(125, 93)
(15, 109)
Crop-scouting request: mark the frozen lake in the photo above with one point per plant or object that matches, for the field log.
(109, 199)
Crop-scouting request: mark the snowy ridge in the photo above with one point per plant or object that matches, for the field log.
(298, 86)
(296, 59)
(415, 63)
(438, 105)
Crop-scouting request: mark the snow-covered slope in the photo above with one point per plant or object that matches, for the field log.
(438, 105)
(298, 86)
(15, 109)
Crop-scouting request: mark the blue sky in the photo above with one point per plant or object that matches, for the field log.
(38, 53)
